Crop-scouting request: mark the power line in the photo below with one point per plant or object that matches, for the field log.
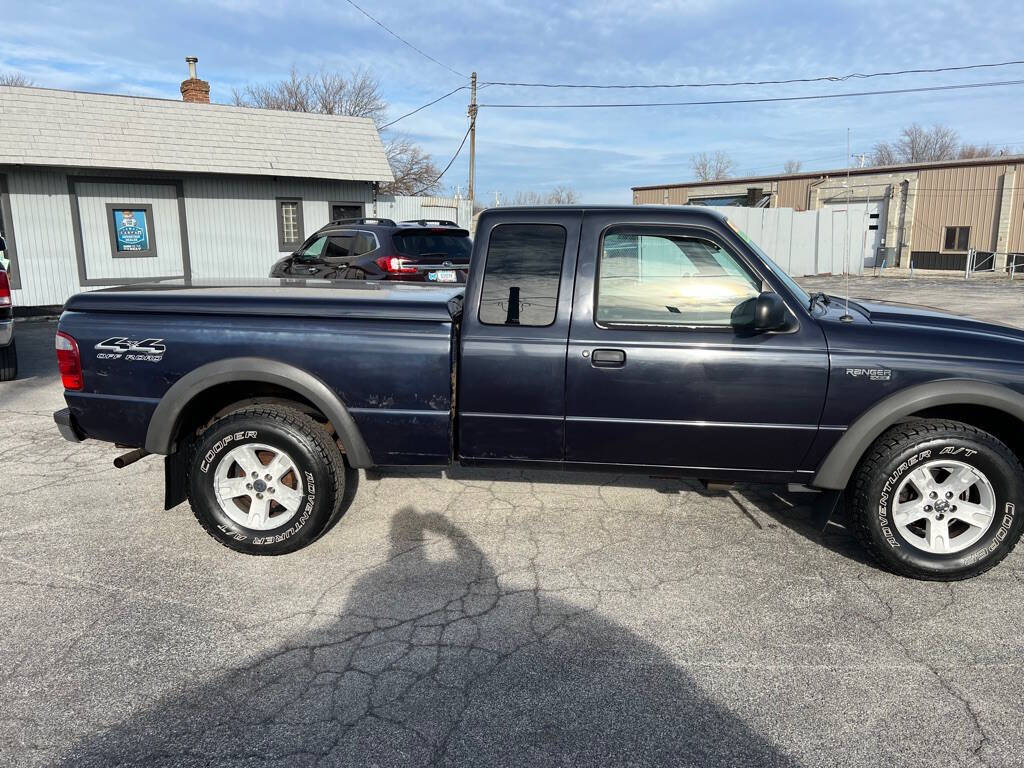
(754, 101)
(428, 104)
(457, 151)
(403, 40)
(822, 78)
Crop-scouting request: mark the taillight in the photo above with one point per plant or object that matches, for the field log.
(69, 362)
(5, 290)
(395, 265)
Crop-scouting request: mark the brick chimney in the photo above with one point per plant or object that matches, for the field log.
(194, 89)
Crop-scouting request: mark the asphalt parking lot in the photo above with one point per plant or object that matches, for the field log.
(512, 620)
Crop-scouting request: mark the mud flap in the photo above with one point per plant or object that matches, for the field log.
(174, 480)
(824, 507)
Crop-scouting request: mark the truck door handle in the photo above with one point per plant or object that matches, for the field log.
(608, 358)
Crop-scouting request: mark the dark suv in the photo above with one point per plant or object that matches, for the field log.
(427, 250)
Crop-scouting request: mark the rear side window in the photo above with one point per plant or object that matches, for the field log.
(522, 274)
(455, 247)
(339, 247)
(364, 243)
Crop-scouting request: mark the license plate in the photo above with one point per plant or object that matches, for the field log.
(442, 275)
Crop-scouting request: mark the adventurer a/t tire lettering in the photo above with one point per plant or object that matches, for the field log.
(265, 480)
(938, 500)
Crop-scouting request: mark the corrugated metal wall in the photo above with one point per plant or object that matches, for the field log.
(232, 221)
(793, 193)
(961, 196)
(809, 242)
(408, 208)
(41, 216)
(1015, 241)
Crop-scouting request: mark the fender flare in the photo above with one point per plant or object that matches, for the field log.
(835, 470)
(160, 436)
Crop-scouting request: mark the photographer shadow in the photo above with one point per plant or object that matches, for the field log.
(436, 660)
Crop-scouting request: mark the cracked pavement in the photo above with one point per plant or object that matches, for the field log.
(486, 619)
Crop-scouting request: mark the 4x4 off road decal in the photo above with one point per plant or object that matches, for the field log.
(121, 347)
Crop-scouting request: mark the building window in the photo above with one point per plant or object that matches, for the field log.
(956, 238)
(346, 211)
(289, 223)
(131, 229)
(521, 274)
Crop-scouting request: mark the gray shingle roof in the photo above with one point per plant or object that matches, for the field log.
(40, 126)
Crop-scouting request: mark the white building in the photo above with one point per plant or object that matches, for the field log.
(99, 189)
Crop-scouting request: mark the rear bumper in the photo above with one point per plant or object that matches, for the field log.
(6, 331)
(67, 426)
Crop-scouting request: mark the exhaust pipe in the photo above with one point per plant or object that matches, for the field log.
(130, 458)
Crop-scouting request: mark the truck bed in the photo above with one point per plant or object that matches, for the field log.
(384, 349)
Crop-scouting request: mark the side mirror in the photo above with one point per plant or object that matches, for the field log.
(765, 312)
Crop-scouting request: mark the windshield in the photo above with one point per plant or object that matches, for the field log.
(455, 247)
(775, 269)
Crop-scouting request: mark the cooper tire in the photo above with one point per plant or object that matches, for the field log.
(932, 533)
(9, 362)
(265, 480)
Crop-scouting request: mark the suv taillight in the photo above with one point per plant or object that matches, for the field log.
(69, 362)
(395, 265)
(5, 289)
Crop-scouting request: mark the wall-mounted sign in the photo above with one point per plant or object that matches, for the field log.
(131, 230)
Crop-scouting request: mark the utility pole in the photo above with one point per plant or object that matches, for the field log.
(472, 140)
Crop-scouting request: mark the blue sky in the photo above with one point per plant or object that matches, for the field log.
(139, 48)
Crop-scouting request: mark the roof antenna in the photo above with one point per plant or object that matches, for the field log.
(847, 317)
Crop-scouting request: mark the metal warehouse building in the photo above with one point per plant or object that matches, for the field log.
(100, 190)
(928, 214)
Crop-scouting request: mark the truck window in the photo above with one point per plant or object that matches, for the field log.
(522, 274)
(665, 279)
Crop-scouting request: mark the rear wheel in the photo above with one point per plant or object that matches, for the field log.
(938, 500)
(9, 362)
(265, 480)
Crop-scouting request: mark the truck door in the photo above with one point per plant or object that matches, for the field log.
(511, 371)
(656, 373)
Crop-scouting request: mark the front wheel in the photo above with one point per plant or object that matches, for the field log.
(265, 480)
(938, 500)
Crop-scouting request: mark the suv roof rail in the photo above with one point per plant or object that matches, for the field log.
(365, 220)
(425, 222)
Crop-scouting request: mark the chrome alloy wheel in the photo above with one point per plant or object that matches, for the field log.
(258, 486)
(944, 506)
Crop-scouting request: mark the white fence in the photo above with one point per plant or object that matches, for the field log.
(405, 208)
(811, 242)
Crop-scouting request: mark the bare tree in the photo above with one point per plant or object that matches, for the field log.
(560, 195)
(414, 171)
(792, 166)
(712, 167)
(355, 95)
(969, 151)
(15, 78)
(918, 145)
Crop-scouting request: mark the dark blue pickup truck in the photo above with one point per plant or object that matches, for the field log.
(648, 339)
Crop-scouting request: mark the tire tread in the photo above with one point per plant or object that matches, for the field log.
(880, 452)
(325, 447)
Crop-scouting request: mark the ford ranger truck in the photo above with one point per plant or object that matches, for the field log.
(649, 339)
